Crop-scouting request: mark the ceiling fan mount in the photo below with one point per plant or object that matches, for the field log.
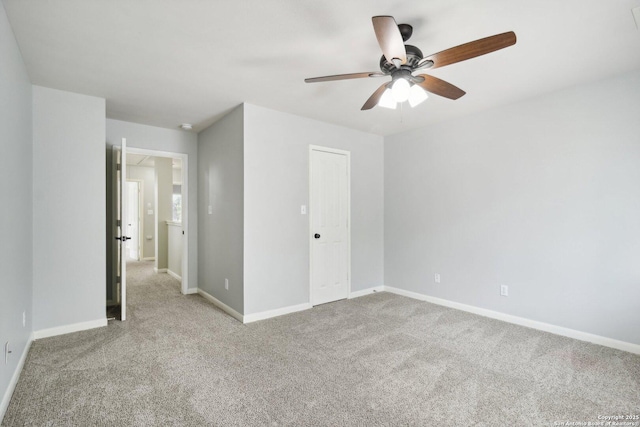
(400, 61)
(405, 31)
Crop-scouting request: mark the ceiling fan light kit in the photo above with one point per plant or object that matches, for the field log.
(400, 61)
(400, 90)
(387, 101)
(417, 95)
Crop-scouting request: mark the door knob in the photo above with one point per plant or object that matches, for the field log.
(317, 236)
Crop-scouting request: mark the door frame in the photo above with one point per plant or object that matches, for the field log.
(122, 200)
(185, 206)
(310, 210)
(140, 183)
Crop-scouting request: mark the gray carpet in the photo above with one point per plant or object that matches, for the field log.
(378, 360)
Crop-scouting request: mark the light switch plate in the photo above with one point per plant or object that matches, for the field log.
(303, 210)
(636, 16)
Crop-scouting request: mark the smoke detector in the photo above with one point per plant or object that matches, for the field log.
(186, 126)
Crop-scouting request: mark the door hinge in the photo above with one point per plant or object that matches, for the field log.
(118, 222)
(118, 166)
(118, 280)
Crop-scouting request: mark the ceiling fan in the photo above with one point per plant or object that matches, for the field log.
(400, 61)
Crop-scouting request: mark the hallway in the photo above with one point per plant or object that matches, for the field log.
(144, 285)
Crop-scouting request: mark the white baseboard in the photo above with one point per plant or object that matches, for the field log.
(159, 270)
(191, 291)
(215, 301)
(263, 315)
(174, 275)
(151, 258)
(6, 399)
(522, 321)
(67, 329)
(367, 291)
(248, 318)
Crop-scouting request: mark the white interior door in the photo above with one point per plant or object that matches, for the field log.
(329, 211)
(122, 225)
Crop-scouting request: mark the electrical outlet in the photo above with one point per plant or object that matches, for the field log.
(24, 319)
(436, 278)
(226, 284)
(504, 290)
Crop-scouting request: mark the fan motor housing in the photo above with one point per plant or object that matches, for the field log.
(414, 55)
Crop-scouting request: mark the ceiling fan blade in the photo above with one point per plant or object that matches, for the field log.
(344, 77)
(472, 49)
(375, 98)
(440, 87)
(389, 38)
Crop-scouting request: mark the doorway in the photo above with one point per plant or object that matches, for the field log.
(329, 209)
(165, 208)
(149, 216)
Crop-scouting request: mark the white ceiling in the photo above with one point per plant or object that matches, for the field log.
(167, 62)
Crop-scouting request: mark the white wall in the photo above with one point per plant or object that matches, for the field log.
(146, 175)
(276, 184)
(542, 196)
(170, 140)
(220, 174)
(177, 176)
(174, 248)
(163, 208)
(16, 213)
(68, 208)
